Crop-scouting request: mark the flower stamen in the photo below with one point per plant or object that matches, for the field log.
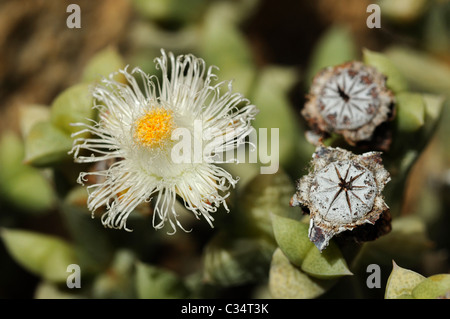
(155, 127)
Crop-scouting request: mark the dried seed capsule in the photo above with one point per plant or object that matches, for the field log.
(341, 192)
(349, 99)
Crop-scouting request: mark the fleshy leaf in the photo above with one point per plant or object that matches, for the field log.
(407, 240)
(93, 248)
(436, 34)
(436, 286)
(433, 110)
(264, 195)
(410, 111)
(73, 105)
(48, 290)
(44, 255)
(277, 116)
(403, 12)
(169, 10)
(288, 282)
(336, 46)
(11, 155)
(31, 192)
(221, 34)
(118, 280)
(395, 80)
(422, 71)
(292, 238)
(23, 186)
(30, 115)
(103, 64)
(326, 264)
(401, 282)
(244, 170)
(231, 261)
(46, 145)
(157, 283)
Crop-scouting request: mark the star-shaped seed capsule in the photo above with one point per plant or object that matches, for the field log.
(342, 192)
(349, 99)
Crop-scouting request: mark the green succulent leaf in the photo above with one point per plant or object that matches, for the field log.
(156, 283)
(73, 105)
(422, 70)
(336, 46)
(231, 261)
(288, 282)
(276, 116)
(244, 170)
(403, 12)
(436, 286)
(31, 114)
(407, 240)
(31, 192)
(23, 186)
(94, 249)
(169, 10)
(401, 282)
(434, 105)
(11, 156)
(327, 264)
(44, 255)
(46, 145)
(395, 80)
(292, 238)
(410, 111)
(49, 290)
(221, 34)
(118, 281)
(103, 64)
(264, 195)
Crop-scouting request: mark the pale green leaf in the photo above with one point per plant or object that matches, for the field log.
(401, 282)
(410, 111)
(224, 45)
(264, 195)
(395, 80)
(433, 287)
(335, 46)
(102, 64)
(23, 186)
(292, 238)
(30, 115)
(169, 10)
(73, 105)
(288, 282)
(11, 155)
(230, 260)
(44, 255)
(48, 290)
(277, 118)
(118, 281)
(30, 191)
(327, 264)
(421, 70)
(46, 145)
(156, 283)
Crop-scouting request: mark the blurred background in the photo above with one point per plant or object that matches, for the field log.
(271, 50)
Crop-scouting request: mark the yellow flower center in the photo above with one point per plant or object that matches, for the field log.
(154, 128)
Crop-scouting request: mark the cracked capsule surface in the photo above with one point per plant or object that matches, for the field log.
(350, 99)
(341, 192)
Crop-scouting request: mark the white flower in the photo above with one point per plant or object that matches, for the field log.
(135, 131)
